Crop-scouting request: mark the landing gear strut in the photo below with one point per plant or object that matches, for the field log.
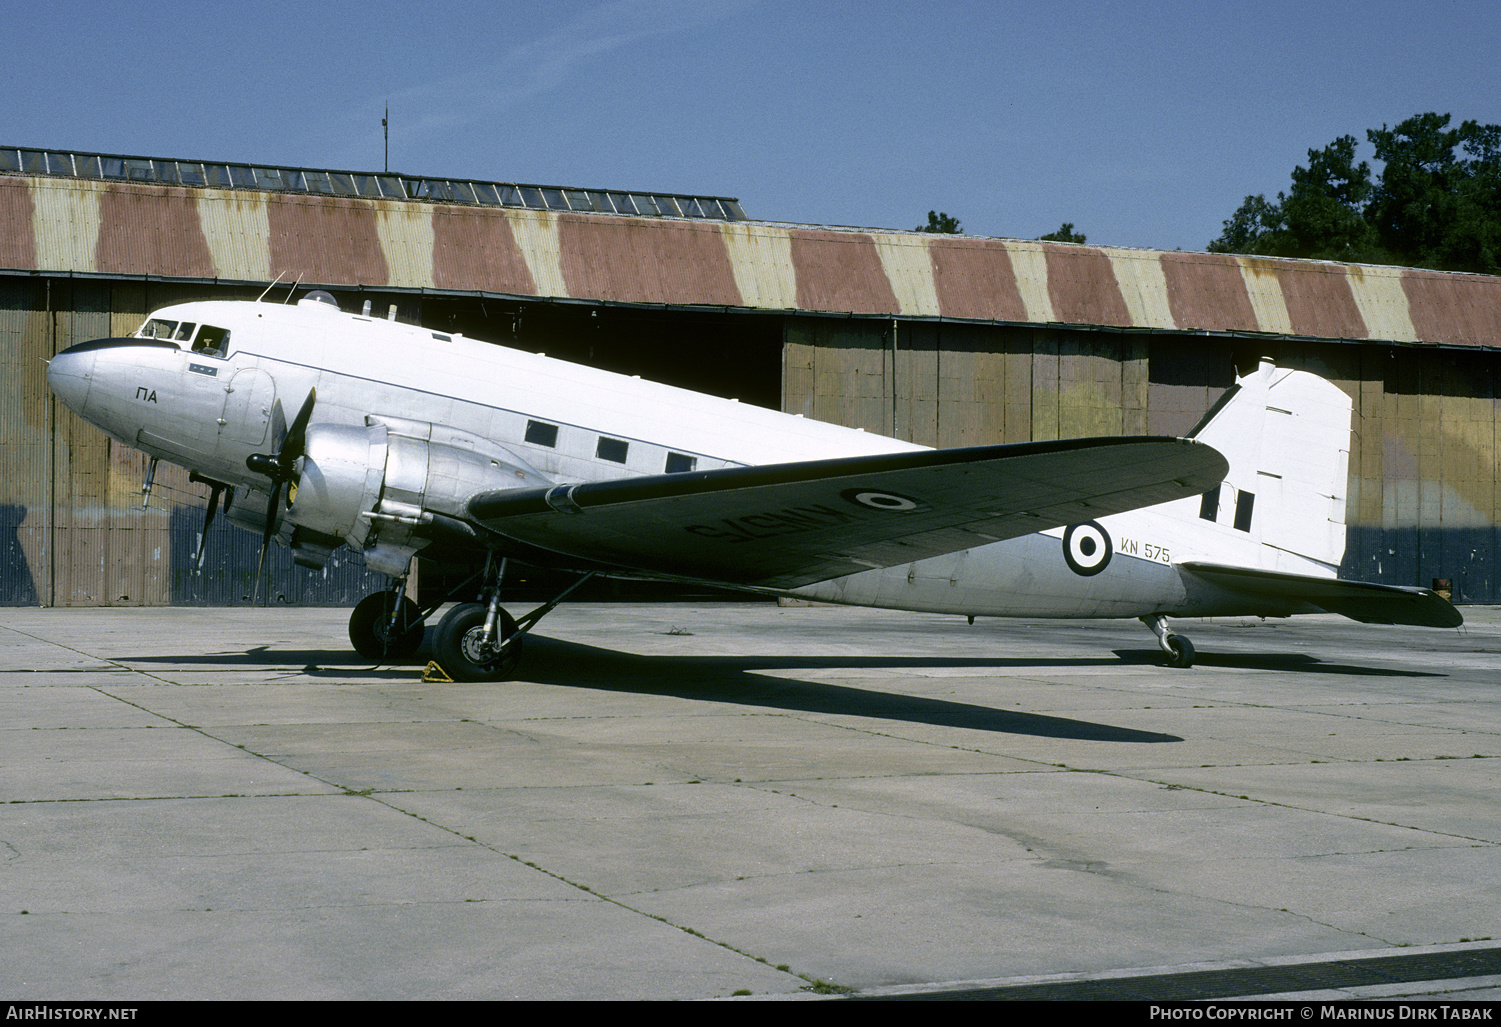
(475, 641)
(388, 626)
(1179, 650)
(481, 641)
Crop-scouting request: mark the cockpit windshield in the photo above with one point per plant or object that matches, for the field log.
(210, 340)
(213, 341)
(157, 328)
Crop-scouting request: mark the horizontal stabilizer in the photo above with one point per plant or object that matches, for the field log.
(783, 525)
(1364, 601)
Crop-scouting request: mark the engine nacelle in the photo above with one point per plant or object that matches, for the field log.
(339, 477)
(378, 487)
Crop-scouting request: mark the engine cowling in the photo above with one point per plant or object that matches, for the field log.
(379, 486)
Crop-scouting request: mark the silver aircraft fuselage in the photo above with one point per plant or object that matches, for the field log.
(211, 409)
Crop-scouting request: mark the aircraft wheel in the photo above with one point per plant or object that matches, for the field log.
(458, 648)
(1182, 654)
(370, 628)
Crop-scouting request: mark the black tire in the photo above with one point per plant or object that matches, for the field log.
(1182, 651)
(456, 645)
(371, 634)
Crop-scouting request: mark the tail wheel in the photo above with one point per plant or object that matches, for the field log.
(373, 634)
(1180, 651)
(460, 649)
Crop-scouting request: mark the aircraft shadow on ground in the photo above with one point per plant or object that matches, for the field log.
(1297, 663)
(731, 679)
(735, 679)
(741, 680)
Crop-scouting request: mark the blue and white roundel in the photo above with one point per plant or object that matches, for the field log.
(1087, 548)
(879, 500)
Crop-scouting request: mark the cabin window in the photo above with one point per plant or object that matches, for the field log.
(540, 433)
(613, 450)
(212, 341)
(1244, 503)
(1209, 505)
(679, 463)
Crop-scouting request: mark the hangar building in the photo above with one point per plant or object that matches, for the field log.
(942, 340)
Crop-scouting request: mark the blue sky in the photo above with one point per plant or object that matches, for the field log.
(1144, 124)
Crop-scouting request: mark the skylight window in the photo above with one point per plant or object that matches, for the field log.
(347, 183)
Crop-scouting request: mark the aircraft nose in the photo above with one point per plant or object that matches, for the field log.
(70, 373)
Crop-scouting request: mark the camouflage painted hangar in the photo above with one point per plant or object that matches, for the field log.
(943, 340)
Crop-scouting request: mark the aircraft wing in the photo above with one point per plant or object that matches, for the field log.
(1364, 601)
(783, 525)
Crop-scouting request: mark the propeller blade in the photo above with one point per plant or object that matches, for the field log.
(292, 446)
(280, 466)
(272, 509)
(208, 520)
(278, 425)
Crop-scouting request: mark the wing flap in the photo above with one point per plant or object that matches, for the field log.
(1364, 601)
(783, 525)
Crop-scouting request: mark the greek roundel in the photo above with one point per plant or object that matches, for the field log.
(1087, 548)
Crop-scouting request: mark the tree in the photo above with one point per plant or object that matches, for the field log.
(1324, 212)
(1250, 227)
(1065, 233)
(941, 223)
(1321, 216)
(1434, 208)
(1430, 207)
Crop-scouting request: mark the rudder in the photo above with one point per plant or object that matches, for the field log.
(1286, 435)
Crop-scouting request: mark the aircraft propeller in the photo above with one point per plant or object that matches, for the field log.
(216, 489)
(280, 467)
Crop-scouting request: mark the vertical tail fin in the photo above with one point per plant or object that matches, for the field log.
(1286, 435)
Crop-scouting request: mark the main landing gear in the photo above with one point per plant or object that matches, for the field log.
(475, 641)
(1179, 650)
(386, 625)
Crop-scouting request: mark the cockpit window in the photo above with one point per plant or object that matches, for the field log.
(212, 341)
(156, 328)
(184, 331)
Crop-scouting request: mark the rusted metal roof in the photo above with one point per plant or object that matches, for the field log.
(60, 225)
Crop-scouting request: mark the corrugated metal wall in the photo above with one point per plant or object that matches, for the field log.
(965, 385)
(26, 444)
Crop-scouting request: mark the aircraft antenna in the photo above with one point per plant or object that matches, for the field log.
(271, 286)
(292, 290)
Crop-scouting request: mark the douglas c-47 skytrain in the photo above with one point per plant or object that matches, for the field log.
(408, 441)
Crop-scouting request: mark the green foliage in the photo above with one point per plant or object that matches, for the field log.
(1065, 233)
(1252, 225)
(941, 223)
(1430, 207)
(1434, 206)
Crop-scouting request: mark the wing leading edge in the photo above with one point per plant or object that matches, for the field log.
(784, 525)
